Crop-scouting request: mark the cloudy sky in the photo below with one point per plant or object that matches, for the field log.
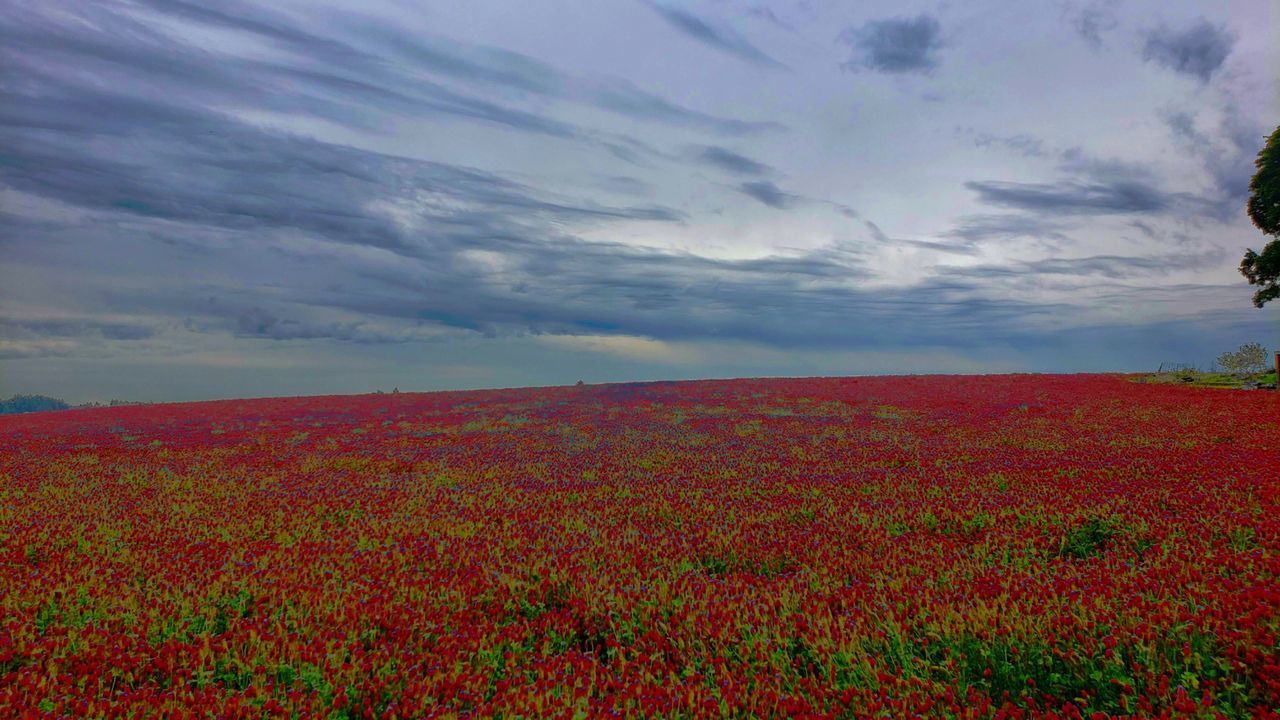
(230, 199)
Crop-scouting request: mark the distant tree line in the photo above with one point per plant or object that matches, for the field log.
(43, 403)
(31, 403)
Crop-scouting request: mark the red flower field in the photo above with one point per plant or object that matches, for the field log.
(965, 547)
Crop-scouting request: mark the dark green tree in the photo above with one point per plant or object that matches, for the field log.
(30, 403)
(1263, 269)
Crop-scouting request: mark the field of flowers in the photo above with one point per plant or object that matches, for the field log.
(969, 547)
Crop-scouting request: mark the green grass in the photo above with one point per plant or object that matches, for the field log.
(1089, 539)
(1197, 378)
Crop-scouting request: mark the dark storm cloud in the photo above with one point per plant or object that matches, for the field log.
(1197, 50)
(768, 193)
(895, 45)
(721, 39)
(729, 161)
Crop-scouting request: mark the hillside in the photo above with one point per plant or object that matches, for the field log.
(1037, 546)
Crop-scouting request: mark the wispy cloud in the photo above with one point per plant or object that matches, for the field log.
(768, 193)
(722, 39)
(1070, 197)
(1092, 185)
(729, 161)
(1008, 226)
(1109, 266)
(1092, 20)
(968, 247)
(1020, 143)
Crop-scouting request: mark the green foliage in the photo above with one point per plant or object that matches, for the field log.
(30, 403)
(1264, 189)
(897, 529)
(1201, 378)
(43, 403)
(1243, 539)
(1263, 269)
(1100, 680)
(1249, 359)
(731, 562)
(1089, 539)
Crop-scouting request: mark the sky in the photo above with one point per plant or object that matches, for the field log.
(232, 199)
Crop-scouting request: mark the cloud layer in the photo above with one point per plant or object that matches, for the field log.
(259, 186)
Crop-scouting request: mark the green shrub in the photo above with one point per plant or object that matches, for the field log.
(1089, 539)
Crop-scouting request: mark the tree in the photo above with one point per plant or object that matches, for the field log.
(30, 403)
(1250, 358)
(1263, 269)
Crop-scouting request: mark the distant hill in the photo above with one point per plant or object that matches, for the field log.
(31, 403)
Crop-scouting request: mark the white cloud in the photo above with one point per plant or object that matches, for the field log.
(630, 347)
